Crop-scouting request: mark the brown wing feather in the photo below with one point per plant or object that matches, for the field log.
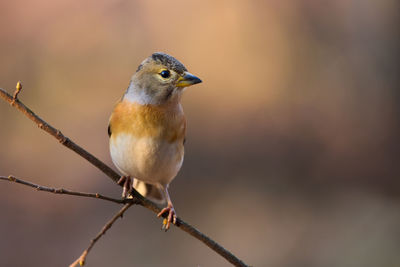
(109, 130)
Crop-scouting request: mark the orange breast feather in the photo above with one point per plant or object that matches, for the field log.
(164, 122)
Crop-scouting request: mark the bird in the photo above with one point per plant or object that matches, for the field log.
(147, 130)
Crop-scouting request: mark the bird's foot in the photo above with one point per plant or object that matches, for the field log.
(127, 185)
(171, 218)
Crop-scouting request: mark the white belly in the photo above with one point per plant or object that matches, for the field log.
(147, 159)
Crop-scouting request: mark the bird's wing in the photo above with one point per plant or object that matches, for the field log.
(109, 130)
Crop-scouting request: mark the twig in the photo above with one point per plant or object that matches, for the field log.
(14, 101)
(115, 177)
(127, 202)
(60, 190)
(18, 88)
(81, 260)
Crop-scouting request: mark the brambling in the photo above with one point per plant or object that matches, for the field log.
(147, 129)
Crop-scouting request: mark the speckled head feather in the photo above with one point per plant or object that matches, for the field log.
(159, 79)
(166, 60)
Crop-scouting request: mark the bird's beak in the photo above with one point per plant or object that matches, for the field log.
(187, 79)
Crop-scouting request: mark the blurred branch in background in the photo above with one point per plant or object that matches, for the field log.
(137, 198)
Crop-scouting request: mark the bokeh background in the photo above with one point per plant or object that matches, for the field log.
(292, 153)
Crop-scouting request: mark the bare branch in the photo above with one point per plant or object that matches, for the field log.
(61, 190)
(57, 134)
(81, 260)
(115, 177)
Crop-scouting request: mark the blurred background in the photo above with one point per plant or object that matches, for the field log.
(293, 137)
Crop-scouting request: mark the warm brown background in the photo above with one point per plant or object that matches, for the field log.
(292, 146)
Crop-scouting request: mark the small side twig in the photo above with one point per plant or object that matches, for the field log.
(81, 260)
(18, 88)
(60, 190)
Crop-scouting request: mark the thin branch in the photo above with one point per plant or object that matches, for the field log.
(14, 101)
(61, 190)
(81, 260)
(127, 202)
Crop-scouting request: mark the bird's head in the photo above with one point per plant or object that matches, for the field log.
(160, 78)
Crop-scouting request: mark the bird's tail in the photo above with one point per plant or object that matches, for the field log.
(150, 191)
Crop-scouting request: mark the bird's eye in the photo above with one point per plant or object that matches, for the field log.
(165, 74)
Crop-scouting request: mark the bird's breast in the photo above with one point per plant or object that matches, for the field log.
(164, 122)
(147, 141)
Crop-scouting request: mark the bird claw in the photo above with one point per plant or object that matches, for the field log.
(170, 218)
(164, 224)
(127, 187)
